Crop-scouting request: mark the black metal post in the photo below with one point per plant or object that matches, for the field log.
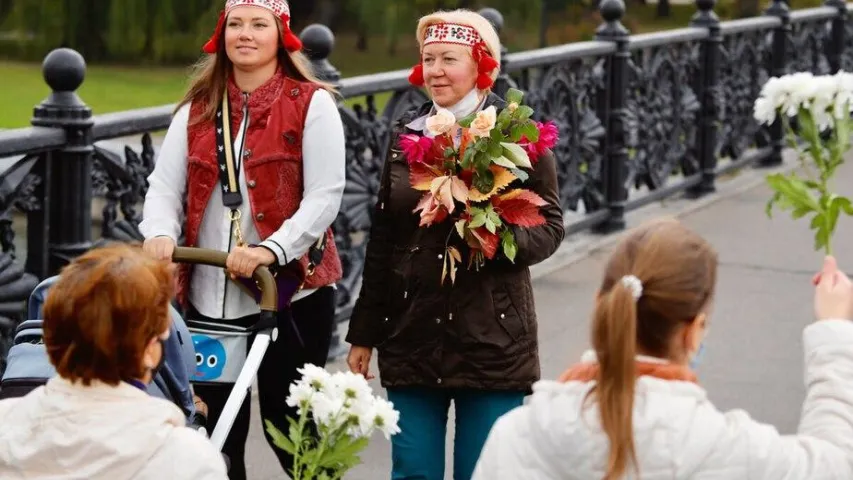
(835, 45)
(318, 41)
(503, 82)
(778, 68)
(708, 90)
(612, 107)
(67, 186)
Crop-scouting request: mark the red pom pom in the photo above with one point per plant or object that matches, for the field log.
(487, 64)
(416, 78)
(484, 81)
(212, 45)
(291, 42)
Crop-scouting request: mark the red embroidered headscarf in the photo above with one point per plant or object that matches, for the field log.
(279, 8)
(466, 28)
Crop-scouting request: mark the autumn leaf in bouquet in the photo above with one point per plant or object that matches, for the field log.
(474, 172)
(821, 107)
(338, 414)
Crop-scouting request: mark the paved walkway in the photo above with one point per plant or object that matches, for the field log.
(753, 355)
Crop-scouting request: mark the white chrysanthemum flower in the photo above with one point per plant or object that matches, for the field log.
(317, 377)
(353, 387)
(328, 411)
(385, 418)
(300, 396)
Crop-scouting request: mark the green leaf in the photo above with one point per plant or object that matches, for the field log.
(466, 121)
(468, 158)
(490, 225)
(279, 439)
(484, 181)
(531, 132)
(504, 118)
(520, 174)
(495, 149)
(844, 204)
(516, 154)
(513, 95)
(478, 221)
(482, 161)
(482, 144)
(793, 191)
(496, 135)
(524, 112)
(343, 451)
(449, 152)
(516, 132)
(504, 162)
(510, 248)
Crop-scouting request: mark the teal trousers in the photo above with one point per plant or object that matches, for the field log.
(417, 452)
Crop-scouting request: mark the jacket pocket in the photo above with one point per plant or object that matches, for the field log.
(507, 314)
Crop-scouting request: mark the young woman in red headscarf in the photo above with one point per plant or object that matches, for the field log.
(266, 200)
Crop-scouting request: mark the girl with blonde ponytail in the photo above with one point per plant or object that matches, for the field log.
(633, 408)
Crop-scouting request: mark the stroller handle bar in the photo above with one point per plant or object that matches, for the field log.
(215, 258)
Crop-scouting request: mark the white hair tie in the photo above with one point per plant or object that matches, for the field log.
(631, 282)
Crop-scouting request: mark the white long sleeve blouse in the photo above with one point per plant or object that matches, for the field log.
(324, 178)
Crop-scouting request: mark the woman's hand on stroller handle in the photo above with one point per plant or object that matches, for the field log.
(243, 261)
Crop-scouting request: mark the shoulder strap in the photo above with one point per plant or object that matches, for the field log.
(231, 196)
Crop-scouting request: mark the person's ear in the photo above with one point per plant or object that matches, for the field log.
(152, 353)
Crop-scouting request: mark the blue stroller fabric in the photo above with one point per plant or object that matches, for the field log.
(171, 382)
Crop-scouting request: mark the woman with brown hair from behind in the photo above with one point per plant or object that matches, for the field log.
(105, 321)
(633, 407)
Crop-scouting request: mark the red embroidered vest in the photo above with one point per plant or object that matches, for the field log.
(272, 165)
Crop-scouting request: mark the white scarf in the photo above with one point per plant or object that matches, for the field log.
(469, 104)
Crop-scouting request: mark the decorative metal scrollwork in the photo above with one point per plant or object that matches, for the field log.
(123, 183)
(744, 70)
(661, 117)
(808, 47)
(566, 94)
(19, 189)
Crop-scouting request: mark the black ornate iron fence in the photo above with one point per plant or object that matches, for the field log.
(641, 117)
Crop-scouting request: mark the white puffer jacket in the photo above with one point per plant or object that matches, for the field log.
(678, 434)
(66, 431)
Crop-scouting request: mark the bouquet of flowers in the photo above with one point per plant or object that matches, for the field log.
(475, 182)
(822, 107)
(343, 412)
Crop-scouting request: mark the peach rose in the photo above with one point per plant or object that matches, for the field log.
(484, 123)
(441, 122)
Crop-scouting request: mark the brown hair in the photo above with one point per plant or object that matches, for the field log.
(103, 311)
(210, 77)
(678, 270)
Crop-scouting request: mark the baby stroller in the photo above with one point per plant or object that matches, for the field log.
(28, 366)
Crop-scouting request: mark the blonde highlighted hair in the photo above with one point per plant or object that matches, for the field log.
(210, 77)
(465, 17)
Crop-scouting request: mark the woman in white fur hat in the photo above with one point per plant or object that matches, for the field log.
(473, 343)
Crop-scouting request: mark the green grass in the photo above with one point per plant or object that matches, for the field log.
(105, 89)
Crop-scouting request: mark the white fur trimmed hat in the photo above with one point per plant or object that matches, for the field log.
(462, 27)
